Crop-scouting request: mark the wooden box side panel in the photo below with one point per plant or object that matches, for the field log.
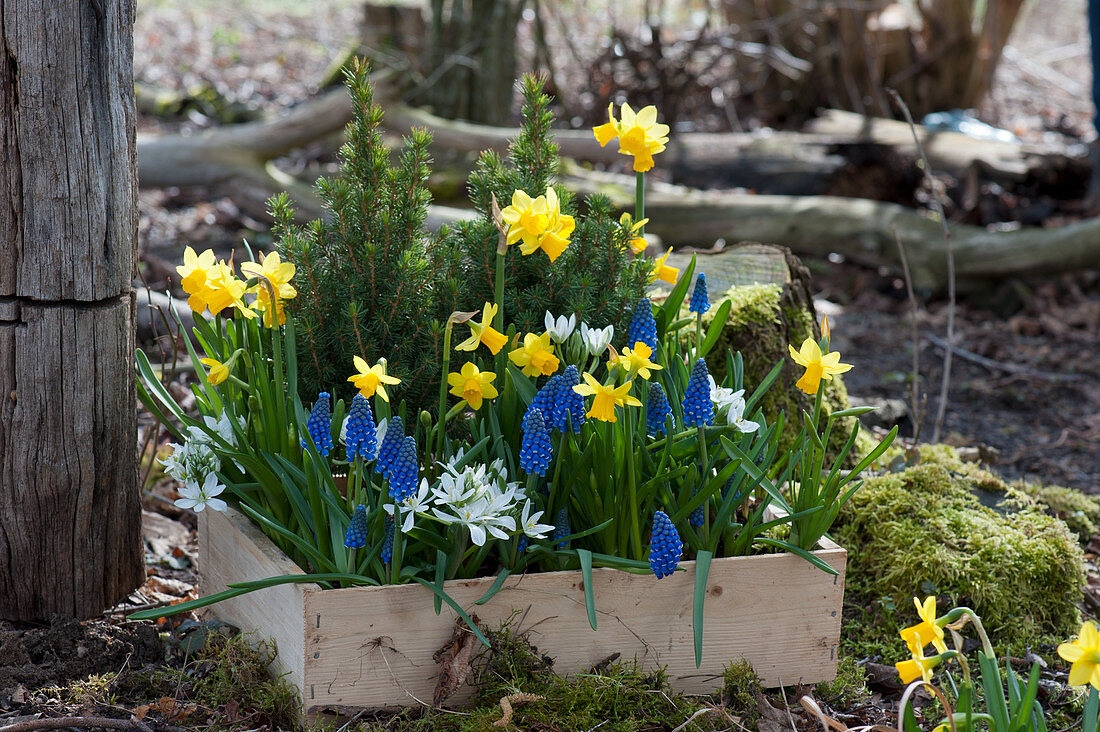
(373, 646)
(233, 549)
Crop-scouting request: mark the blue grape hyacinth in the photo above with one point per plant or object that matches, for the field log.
(568, 405)
(362, 433)
(561, 529)
(657, 409)
(391, 444)
(642, 326)
(535, 450)
(319, 424)
(403, 471)
(699, 302)
(698, 408)
(698, 516)
(387, 541)
(665, 547)
(545, 398)
(356, 536)
(522, 544)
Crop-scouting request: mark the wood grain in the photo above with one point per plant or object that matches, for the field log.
(371, 646)
(70, 517)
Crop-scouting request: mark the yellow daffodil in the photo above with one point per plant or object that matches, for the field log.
(636, 242)
(371, 379)
(527, 220)
(605, 398)
(535, 356)
(559, 227)
(223, 289)
(636, 361)
(484, 332)
(219, 371)
(194, 271)
(927, 631)
(277, 274)
(662, 271)
(919, 666)
(1084, 654)
(472, 385)
(639, 134)
(817, 366)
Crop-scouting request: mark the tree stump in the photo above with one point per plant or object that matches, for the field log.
(70, 515)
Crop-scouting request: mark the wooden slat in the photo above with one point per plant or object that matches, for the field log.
(233, 549)
(373, 646)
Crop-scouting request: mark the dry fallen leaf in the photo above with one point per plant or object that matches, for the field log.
(454, 661)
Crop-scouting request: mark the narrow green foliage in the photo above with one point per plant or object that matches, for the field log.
(597, 277)
(366, 277)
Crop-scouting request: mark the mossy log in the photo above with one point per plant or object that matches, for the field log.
(766, 317)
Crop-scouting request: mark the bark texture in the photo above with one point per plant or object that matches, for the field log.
(70, 516)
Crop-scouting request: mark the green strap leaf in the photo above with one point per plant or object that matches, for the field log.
(494, 588)
(454, 606)
(589, 592)
(440, 578)
(702, 569)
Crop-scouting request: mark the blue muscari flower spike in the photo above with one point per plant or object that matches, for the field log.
(642, 326)
(522, 544)
(561, 530)
(545, 398)
(403, 471)
(699, 302)
(356, 537)
(665, 546)
(697, 517)
(657, 409)
(535, 450)
(362, 435)
(387, 541)
(391, 444)
(698, 408)
(319, 424)
(568, 405)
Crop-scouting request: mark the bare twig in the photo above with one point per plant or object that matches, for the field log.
(914, 338)
(30, 725)
(994, 365)
(937, 206)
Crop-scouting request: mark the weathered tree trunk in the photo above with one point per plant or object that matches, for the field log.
(70, 516)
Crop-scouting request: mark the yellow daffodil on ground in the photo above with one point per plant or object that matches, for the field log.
(559, 227)
(1084, 654)
(605, 398)
(662, 271)
(636, 361)
(535, 356)
(927, 631)
(194, 271)
(919, 666)
(484, 332)
(219, 371)
(277, 274)
(527, 220)
(371, 379)
(817, 365)
(639, 134)
(473, 385)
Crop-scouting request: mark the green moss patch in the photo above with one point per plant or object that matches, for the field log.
(953, 530)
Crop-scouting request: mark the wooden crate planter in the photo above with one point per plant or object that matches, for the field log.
(373, 646)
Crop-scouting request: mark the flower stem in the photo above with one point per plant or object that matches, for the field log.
(398, 547)
(441, 415)
(703, 462)
(499, 291)
(639, 201)
(698, 335)
(632, 491)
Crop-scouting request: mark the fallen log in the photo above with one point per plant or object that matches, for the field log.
(863, 231)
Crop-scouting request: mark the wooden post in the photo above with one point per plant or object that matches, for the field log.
(70, 515)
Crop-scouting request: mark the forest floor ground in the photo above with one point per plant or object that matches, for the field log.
(1025, 385)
